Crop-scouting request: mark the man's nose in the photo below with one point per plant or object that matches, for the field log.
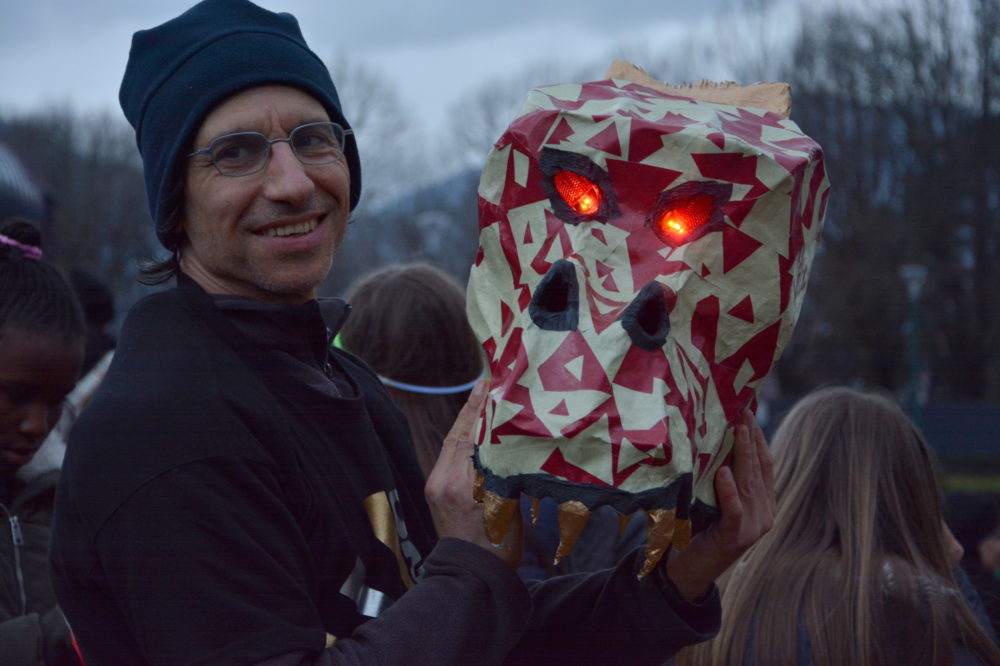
(287, 179)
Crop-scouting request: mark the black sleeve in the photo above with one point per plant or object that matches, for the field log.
(31, 639)
(210, 568)
(611, 617)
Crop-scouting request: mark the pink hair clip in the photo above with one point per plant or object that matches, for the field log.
(30, 251)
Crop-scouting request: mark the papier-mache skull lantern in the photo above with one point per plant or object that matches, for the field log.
(643, 259)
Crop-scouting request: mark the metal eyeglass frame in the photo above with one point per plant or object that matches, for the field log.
(343, 134)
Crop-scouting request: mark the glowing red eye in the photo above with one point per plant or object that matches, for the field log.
(578, 192)
(685, 215)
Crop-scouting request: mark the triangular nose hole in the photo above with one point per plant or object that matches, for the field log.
(647, 318)
(555, 304)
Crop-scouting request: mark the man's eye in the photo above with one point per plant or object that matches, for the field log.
(15, 395)
(236, 150)
(316, 141)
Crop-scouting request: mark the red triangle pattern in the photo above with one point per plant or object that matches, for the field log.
(633, 184)
(705, 270)
(561, 133)
(732, 167)
(736, 247)
(506, 318)
(602, 269)
(527, 235)
(602, 320)
(561, 409)
(555, 377)
(737, 211)
(743, 310)
(557, 465)
(607, 140)
(703, 459)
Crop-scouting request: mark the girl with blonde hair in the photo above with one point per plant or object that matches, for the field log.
(856, 569)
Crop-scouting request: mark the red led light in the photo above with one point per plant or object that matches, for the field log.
(685, 215)
(578, 192)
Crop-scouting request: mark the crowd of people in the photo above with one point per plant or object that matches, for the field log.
(249, 473)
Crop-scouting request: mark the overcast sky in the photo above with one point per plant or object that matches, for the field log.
(58, 51)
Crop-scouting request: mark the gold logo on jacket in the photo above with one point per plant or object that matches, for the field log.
(389, 528)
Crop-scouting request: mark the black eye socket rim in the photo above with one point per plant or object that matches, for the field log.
(647, 318)
(552, 161)
(720, 193)
(555, 304)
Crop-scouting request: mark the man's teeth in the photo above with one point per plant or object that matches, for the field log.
(292, 229)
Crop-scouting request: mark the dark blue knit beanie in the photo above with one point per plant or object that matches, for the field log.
(179, 71)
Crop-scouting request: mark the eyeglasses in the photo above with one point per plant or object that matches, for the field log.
(246, 153)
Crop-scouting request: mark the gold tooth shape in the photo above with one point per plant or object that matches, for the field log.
(682, 534)
(498, 512)
(478, 487)
(573, 517)
(659, 534)
(535, 508)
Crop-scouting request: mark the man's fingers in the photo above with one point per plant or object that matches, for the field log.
(461, 430)
(727, 496)
(764, 457)
(757, 472)
(745, 466)
(457, 448)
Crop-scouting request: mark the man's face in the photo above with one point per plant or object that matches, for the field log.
(270, 236)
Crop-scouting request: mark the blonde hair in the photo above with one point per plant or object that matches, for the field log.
(856, 560)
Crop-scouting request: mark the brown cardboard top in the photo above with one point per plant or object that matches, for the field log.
(774, 97)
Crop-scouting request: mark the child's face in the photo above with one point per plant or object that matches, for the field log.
(37, 370)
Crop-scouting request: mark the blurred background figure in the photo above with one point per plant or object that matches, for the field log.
(98, 305)
(974, 519)
(859, 567)
(19, 195)
(41, 351)
(408, 323)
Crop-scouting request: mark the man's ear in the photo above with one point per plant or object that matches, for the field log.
(774, 97)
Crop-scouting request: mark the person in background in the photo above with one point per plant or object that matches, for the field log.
(859, 566)
(41, 350)
(974, 519)
(408, 323)
(98, 312)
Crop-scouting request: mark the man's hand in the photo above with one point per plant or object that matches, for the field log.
(745, 495)
(449, 487)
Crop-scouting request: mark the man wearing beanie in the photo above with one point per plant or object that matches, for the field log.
(237, 492)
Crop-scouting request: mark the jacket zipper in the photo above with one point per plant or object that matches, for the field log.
(15, 532)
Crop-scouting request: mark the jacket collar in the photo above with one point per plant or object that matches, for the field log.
(302, 331)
